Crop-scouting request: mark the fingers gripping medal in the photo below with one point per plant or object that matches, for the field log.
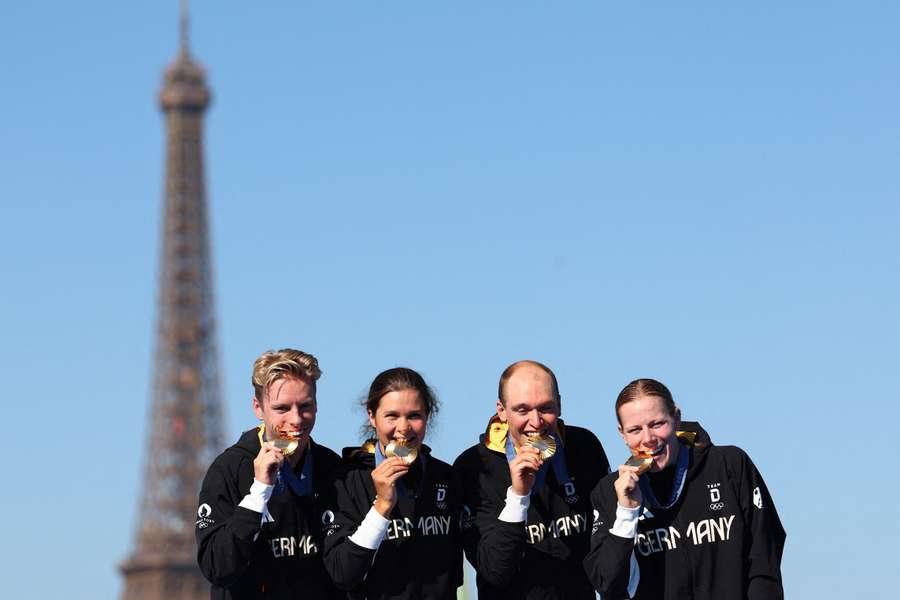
(402, 450)
(287, 441)
(641, 460)
(544, 444)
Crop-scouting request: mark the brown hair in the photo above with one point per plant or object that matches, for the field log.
(273, 365)
(645, 387)
(397, 380)
(511, 369)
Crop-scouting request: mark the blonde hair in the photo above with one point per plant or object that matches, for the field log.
(273, 365)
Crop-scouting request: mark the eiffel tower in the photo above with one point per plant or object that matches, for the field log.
(185, 413)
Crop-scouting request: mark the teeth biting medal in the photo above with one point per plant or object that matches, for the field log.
(402, 450)
(642, 460)
(543, 443)
(287, 441)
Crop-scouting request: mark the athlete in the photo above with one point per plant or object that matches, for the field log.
(394, 528)
(688, 520)
(259, 521)
(527, 515)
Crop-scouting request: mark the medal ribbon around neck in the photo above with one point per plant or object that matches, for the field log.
(558, 461)
(684, 457)
(287, 478)
(380, 458)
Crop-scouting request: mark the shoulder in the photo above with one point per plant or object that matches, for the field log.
(581, 437)
(236, 455)
(585, 454)
(604, 493)
(231, 470)
(730, 455)
(469, 455)
(437, 464)
(325, 457)
(732, 460)
(477, 459)
(354, 465)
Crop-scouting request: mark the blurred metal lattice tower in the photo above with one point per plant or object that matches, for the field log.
(185, 414)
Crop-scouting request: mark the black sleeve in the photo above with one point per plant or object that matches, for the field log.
(345, 561)
(765, 533)
(608, 564)
(494, 547)
(225, 531)
(456, 526)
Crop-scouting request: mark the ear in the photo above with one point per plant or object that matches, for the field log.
(677, 419)
(622, 433)
(258, 409)
(501, 410)
(371, 419)
(559, 406)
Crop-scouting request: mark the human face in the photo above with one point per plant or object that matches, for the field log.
(400, 416)
(531, 405)
(289, 404)
(648, 427)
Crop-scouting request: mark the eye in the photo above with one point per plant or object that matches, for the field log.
(416, 416)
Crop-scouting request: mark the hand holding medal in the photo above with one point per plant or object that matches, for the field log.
(402, 449)
(287, 441)
(628, 491)
(385, 476)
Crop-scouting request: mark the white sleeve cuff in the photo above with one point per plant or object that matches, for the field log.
(626, 522)
(371, 531)
(516, 509)
(258, 496)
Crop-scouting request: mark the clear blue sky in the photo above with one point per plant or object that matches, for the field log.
(707, 195)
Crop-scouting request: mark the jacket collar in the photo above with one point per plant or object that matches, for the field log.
(494, 437)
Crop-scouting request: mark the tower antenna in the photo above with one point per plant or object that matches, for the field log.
(184, 23)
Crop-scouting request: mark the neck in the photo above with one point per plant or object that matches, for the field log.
(297, 457)
(676, 449)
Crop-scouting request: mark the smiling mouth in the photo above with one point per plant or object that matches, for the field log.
(291, 434)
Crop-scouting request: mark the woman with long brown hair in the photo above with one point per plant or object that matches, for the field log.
(393, 531)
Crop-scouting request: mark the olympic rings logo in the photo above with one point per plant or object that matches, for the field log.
(717, 505)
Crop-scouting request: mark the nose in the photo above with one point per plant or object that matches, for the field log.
(534, 420)
(646, 437)
(294, 417)
(402, 427)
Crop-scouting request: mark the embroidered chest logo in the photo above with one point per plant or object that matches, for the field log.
(203, 513)
(715, 496)
(466, 518)
(440, 496)
(328, 524)
(569, 489)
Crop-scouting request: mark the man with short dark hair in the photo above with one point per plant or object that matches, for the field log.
(259, 520)
(526, 491)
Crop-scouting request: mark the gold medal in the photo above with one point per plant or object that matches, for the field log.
(402, 450)
(641, 461)
(287, 441)
(544, 444)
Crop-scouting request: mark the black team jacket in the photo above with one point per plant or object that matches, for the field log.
(721, 540)
(244, 559)
(420, 555)
(541, 558)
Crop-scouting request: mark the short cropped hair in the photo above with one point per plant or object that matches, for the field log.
(645, 387)
(273, 365)
(511, 369)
